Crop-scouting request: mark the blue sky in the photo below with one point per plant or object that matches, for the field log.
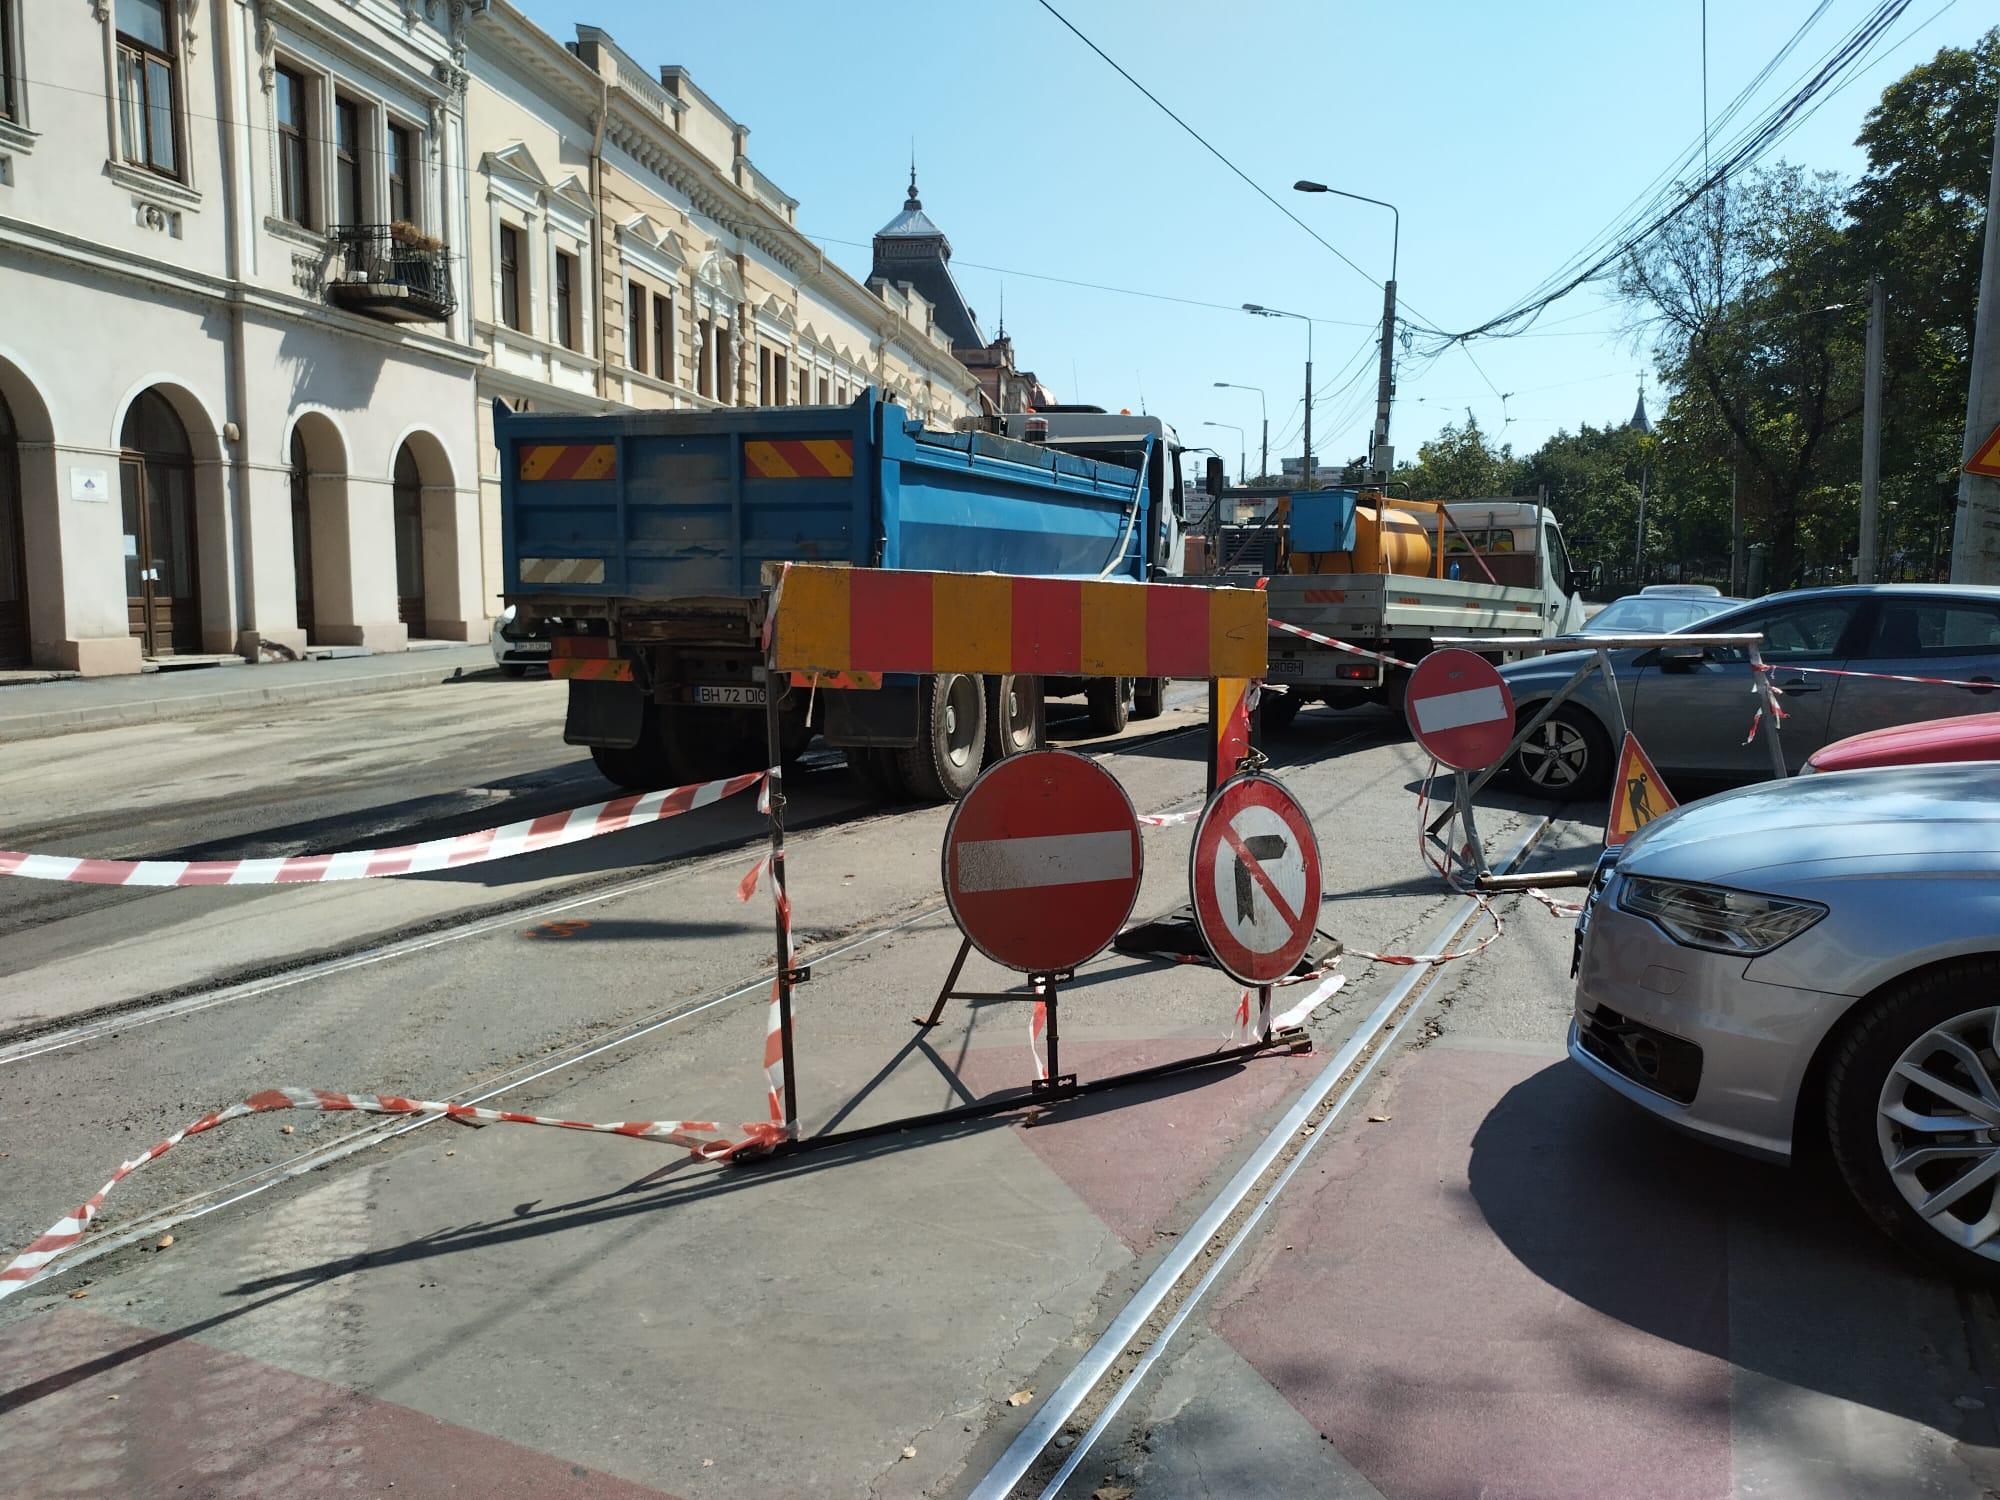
(1508, 136)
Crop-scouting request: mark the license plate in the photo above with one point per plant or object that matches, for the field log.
(731, 697)
(529, 648)
(1282, 666)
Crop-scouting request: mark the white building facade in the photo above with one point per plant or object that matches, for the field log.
(264, 265)
(235, 405)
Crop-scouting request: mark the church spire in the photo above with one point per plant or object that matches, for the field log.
(1640, 421)
(913, 200)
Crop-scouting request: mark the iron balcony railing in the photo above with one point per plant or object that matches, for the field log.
(389, 272)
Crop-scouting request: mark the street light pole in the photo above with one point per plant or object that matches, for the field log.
(1231, 426)
(1264, 448)
(1380, 457)
(1311, 475)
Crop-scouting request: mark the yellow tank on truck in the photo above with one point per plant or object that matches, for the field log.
(1384, 542)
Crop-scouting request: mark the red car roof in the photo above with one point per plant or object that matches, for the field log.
(1966, 737)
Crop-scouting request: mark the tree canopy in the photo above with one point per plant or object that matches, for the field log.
(1755, 306)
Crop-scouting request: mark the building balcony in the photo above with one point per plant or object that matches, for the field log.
(387, 272)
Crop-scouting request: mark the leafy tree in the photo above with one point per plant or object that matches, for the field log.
(1459, 464)
(1748, 300)
(1917, 219)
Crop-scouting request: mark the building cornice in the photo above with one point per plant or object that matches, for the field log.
(510, 39)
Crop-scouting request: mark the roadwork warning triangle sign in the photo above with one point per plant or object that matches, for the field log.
(1986, 457)
(1637, 795)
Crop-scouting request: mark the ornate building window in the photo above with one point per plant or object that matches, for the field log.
(148, 86)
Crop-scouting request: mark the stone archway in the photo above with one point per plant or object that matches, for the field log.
(162, 551)
(14, 634)
(178, 532)
(432, 588)
(322, 554)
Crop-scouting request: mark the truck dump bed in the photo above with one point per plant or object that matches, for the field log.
(664, 507)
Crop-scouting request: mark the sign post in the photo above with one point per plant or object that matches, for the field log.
(1461, 712)
(1042, 863)
(1255, 877)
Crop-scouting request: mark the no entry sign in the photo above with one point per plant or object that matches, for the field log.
(1460, 710)
(1255, 879)
(1042, 861)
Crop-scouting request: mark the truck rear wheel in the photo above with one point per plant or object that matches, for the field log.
(1279, 709)
(951, 739)
(642, 768)
(707, 744)
(1110, 700)
(1011, 705)
(879, 772)
(1149, 698)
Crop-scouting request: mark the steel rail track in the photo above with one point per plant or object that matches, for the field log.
(1211, 1235)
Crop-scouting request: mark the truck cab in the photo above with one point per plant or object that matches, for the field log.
(1128, 441)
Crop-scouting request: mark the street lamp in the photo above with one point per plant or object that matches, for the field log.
(1278, 312)
(1239, 444)
(1264, 449)
(1379, 458)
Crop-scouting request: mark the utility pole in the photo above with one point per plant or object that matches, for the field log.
(1871, 437)
(1311, 474)
(1975, 546)
(1639, 551)
(1735, 529)
(1380, 457)
(1264, 451)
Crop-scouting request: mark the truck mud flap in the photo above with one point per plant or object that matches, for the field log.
(886, 717)
(611, 714)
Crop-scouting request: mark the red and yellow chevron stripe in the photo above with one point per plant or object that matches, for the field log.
(572, 669)
(791, 458)
(877, 620)
(569, 460)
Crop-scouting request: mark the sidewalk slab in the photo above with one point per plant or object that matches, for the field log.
(1506, 1282)
(39, 709)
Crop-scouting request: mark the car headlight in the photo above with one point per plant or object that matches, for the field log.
(1716, 918)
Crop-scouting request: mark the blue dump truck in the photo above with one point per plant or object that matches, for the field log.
(648, 540)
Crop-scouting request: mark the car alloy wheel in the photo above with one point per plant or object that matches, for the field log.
(1555, 755)
(1938, 1128)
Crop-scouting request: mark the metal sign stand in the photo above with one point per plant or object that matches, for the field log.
(789, 974)
(1044, 988)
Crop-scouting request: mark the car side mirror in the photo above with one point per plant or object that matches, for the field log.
(1213, 478)
(1578, 580)
(1681, 658)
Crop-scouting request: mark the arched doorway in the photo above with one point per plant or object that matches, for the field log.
(409, 491)
(13, 549)
(302, 543)
(156, 484)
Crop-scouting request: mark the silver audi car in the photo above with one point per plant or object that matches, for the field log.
(1817, 960)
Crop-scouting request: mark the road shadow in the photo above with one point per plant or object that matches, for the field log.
(1767, 1267)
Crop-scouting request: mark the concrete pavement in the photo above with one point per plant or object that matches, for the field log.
(1489, 1280)
(33, 710)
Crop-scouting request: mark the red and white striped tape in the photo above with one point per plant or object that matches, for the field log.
(1168, 820)
(550, 831)
(702, 1138)
(1327, 640)
(1247, 1033)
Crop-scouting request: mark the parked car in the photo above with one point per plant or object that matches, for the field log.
(1691, 706)
(1657, 610)
(519, 647)
(1928, 742)
(1817, 960)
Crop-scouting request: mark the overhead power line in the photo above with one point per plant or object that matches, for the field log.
(1211, 149)
(1764, 131)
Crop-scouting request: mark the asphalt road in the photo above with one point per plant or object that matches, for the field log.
(533, 1313)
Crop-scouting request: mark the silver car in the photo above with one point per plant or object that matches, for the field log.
(1817, 961)
(1691, 707)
